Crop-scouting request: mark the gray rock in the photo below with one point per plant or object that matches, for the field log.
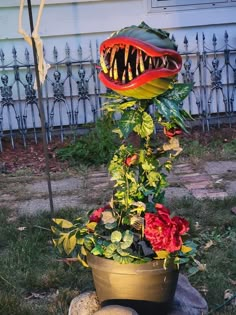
(84, 304)
(187, 300)
(116, 310)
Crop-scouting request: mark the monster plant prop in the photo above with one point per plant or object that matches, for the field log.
(140, 64)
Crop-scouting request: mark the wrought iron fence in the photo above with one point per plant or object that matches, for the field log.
(212, 69)
(72, 90)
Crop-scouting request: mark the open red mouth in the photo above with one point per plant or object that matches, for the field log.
(129, 63)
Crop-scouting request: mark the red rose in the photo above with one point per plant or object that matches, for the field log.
(131, 160)
(97, 214)
(172, 132)
(164, 232)
(161, 209)
(183, 225)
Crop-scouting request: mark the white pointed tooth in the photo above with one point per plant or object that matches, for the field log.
(110, 73)
(137, 60)
(115, 70)
(107, 51)
(123, 76)
(141, 63)
(162, 62)
(173, 62)
(103, 64)
(150, 63)
(133, 50)
(130, 74)
(157, 63)
(126, 54)
(113, 52)
(146, 57)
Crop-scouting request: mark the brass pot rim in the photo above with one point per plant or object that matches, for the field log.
(152, 267)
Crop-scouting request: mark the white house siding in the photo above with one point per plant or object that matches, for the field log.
(80, 23)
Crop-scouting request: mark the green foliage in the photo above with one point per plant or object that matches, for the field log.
(138, 172)
(94, 148)
(230, 148)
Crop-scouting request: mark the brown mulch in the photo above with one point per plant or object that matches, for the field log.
(31, 158)
(224, 134)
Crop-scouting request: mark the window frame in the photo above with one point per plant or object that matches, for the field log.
(170, 5)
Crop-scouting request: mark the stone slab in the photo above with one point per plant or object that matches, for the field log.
(194, 178)
(198, 185)
(183, 170)
(32, 206)
(68, 184)
(190, 175)
(230, 187)
(177, 192)
(211, 194)
(220, 167)
(181, 165)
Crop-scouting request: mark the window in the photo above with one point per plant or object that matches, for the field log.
(173, 5)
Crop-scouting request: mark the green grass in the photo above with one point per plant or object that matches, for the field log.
(33, 281)
(216, 145)
(213, 227)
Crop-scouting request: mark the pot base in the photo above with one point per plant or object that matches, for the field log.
(141, 307)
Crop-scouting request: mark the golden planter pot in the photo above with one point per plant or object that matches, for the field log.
(147, 287)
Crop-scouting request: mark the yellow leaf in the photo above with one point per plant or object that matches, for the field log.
(173, 145)
(91, 226)
(55, 230)
(111, 203)
(83, 262)
(83, 251)
(162, 254)
(107, 217)
(55, 242)
(80, 241)
(69, 243)
(185, 249)
(140, 207)
(63, 223)
(59, 240)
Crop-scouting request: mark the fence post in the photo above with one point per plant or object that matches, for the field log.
(41, 109)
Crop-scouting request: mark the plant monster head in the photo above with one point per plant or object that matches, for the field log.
(139, 61)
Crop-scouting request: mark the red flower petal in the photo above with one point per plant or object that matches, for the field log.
(164, 232)
(97, 214)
